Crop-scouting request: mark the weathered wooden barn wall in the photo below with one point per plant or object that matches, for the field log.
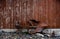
(45, 11)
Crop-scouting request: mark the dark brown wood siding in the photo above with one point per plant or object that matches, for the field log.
(45, 11)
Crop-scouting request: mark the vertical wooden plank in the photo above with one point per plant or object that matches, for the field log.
(8, 14)
(52, 10)
(29, 10)
(12, 20)
(35, 9)
(58, 13)
(20, 11)
(14, 12)
(1, 16)
(47, 13)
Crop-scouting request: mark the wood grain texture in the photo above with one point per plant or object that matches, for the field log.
(45, 11)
